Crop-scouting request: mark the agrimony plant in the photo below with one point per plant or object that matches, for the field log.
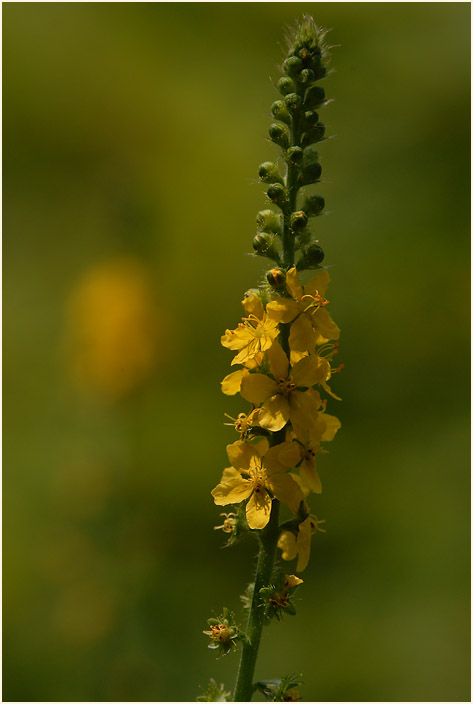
(284, 348)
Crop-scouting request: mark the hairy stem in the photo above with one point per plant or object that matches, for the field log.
(267, 550)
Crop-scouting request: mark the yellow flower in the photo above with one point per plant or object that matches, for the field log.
(292, 581)
(323, 429)
(232, 382)
(292, 547)
(256, 470)
(282, 401)
(244, 423)
(313, 324)
(255, 334)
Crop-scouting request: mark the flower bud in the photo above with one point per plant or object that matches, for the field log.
(309, 119)
(293, 102)
(279, 110)
(276, 278)
(279, 134)
(315, 134)
(261, 242)
(298, 221)
(306, 76)
(268, 221)
(318, 68)
(294, 155)
(277, 193)
(310, 173)
(314, 254)
(314, 97)
(313, 205)
(292, 66)
(286, 85)
(268, 172)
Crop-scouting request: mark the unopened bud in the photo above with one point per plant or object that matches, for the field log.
(314, 254)
(269, 173)
(315, 134)
(276, 278)
(314, 97)
(279, 134)
(293, 102)
(292, 66)
(306, 76)
(277, 193)
(262, 242)
(286, 85)
(299, 220)
(313, 205)
(279, 110)
(294, 155)
(309, 119)
(268, 221)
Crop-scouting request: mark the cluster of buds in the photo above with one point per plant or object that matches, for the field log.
(297, 130)
(277, 598)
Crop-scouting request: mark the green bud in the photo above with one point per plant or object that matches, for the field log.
(263, 244)
(277, 193)
(276, 278)
(310, 174)
(311, 156)
(318, 68)
(268, 172)
(315, 134)
(286, 85)
(292, 66)
(294, 155)
(293, 102)
(315, 254)
(314, 97)
(279, 134)
(313, 205)
(309, 119)
(268, 221)
(298, 220)
(279, 110)
(306, 76)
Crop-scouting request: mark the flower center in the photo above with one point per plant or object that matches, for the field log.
(285, 386)
(220, 633)
(257, 478)
(312, 303)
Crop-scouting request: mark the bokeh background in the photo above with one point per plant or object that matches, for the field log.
(132, 136)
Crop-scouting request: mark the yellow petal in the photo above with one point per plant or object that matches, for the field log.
(232, 382)
(272, 462)
(303, 413)
(323, 324)
(274, 413)
(232, 340)
(293, 284)
(326, 427)
(310, 370)
(292, 581)
(303, 544)
(302, 337)
(278, 361)
(289, 453)
(286, 490)
(262, 446)
(253, 306)
(250, 350)
(256, 388)
(318, 284)
(283, 310)
(232, 491)
(242, 455)
(310, 476)
(258, 509)
(287, 543)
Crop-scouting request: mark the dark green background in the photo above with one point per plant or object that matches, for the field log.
(137, 129)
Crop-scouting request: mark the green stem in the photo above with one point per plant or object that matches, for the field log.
(267, 550)
(292, 189)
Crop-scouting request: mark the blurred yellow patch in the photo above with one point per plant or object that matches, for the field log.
(114, 340)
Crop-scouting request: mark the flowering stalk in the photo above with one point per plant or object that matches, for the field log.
(284, 347)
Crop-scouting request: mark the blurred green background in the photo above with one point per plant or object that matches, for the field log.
(132, 136)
